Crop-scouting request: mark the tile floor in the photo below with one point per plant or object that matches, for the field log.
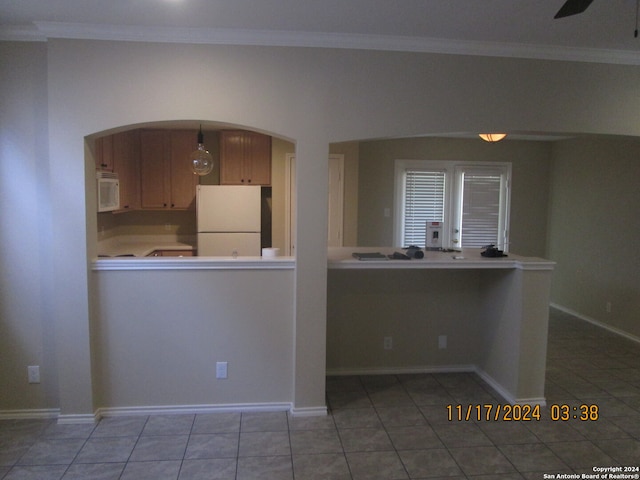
(380, 427)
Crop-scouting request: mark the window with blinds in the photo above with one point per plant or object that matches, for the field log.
(472, 201)
(480, 209)
(423, 202)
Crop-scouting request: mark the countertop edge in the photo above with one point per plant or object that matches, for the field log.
(470, 259)
(426, 265)
(193, 263)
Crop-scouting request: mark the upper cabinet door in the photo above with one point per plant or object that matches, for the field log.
(232, 157)
(245, 158)
(258, 148)
(183, 180)
(126, 151)
(166, 178)
(155, 183)
(104, 153)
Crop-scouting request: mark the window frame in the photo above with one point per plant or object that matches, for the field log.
(452, 216)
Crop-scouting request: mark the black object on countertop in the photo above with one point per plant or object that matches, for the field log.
(414, 252)
(492, 252)
(369, 256)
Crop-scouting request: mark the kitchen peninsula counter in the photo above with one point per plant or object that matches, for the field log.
(132, 253)
(474, 314)
(194, 263)
(342, 258)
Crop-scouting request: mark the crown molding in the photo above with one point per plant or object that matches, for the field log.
(21, 33)
(226, 36)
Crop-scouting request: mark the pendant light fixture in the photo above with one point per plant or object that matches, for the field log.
(492, 137)
(201, 159)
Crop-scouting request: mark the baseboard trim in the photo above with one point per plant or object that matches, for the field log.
(341, 372)
(506, 395)
(496, 386)
(595, 322)
(32, 414)
(54, 413)
(76, 419)
(308, 411)
(192, 409)
(441, 369)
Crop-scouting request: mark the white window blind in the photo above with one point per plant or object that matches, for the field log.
(423, 202)
(471, 200)
(480, 209)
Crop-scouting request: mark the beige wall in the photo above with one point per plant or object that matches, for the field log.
(529, 195)
(26, 327)
(491, 319)
(144, 355)
(139, 222)
(594, 229)
(315, 97)
(413, 307)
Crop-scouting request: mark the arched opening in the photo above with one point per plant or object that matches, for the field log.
(157, 187)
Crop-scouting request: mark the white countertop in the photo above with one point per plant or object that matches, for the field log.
(130, 253)
(193, 263)
(470, 258)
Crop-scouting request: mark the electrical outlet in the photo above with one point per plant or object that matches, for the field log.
(221, 370)
(442, 342)
(607, 307)
(33, 373)
(388, 343)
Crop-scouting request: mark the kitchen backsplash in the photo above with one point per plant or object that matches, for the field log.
(182, 223)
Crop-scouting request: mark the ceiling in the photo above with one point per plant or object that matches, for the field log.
(514, 28)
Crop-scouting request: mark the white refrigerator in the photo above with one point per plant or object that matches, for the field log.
(228, 220)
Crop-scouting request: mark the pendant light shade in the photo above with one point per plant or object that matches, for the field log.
(492, 137)
(201, 159)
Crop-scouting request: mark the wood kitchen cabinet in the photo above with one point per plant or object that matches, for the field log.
(183, 180)
(103, 150)
(126, 151)
(166, 178)
(245, 158)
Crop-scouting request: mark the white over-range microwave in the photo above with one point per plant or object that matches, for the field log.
(108, 191)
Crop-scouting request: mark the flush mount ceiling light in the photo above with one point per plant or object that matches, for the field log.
(201, 159)
(492, 137)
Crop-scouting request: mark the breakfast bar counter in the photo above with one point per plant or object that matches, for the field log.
(178, 253)
(471, 258)
(446, 312)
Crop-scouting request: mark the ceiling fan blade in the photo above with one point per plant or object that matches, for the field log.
(573, 7)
